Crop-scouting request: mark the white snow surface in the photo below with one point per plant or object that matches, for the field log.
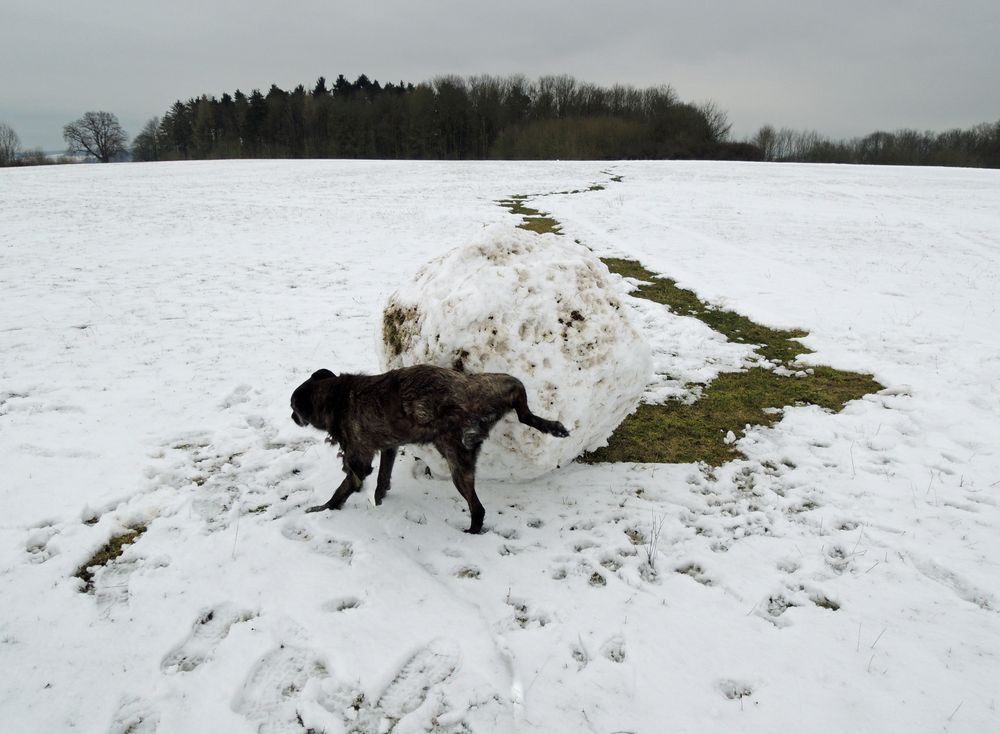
(155, 318)
(542, 308)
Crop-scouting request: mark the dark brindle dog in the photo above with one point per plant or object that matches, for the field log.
(451, 410)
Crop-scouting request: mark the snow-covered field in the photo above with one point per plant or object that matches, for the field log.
(155, 318)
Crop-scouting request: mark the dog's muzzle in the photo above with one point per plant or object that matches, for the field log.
(298, 421)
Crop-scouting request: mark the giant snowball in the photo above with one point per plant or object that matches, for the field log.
(541, 308)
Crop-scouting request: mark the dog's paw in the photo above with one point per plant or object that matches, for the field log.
(318, 508)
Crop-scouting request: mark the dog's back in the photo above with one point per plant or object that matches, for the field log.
(423, 403)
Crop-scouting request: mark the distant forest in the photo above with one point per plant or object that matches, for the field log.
(451, 118)
(483, 117)
(976, 147)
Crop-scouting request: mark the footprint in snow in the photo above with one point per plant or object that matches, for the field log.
(427, 668)
(273, 688)
(522, 618)
(207, 632)
(610, 562)
(135, 715)
(734, 689)
(614, 649)
(837, 558)
(420, 678)
(342, 605)
(964, 589)
(240, 394)
(695, 571)
(111, 583)
(325, 545)
(772, 609)
(38, 544)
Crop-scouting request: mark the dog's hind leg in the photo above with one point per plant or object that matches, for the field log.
(356, 469)
(519, 403)
(462, 463)
(388, 457)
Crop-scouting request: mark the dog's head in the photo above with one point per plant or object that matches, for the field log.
(304, 411)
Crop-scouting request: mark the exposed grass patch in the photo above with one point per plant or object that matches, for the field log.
(534, 220)
(675, 432)
(106, 554)
(777, 345)
(517, 207)
(540, 225)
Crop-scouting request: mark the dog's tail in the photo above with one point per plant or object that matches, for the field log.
(519, 402)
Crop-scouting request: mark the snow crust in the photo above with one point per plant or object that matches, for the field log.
(155, 318)
(539, 307)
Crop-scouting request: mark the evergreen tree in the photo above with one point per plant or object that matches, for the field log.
(204, 132)
(342, 88)
(254, 124)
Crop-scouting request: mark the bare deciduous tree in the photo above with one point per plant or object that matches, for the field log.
(98, 134)
(717, 119)
(764, 139)
(10, 144)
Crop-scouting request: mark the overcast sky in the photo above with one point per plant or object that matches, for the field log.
(842, 68)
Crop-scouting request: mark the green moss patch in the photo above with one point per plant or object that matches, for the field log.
(105, 555)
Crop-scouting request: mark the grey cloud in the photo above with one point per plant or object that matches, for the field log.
(842, 69)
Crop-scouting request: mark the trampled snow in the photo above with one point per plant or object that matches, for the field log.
(542, 308)
(155, 319)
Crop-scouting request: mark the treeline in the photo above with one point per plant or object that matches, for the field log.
(978, 146)
(11, 153)
(450, 118)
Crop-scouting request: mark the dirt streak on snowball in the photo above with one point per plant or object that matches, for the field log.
(541, 308)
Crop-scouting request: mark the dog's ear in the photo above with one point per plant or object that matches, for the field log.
(322, 375)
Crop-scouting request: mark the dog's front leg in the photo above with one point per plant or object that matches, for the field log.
(350, 485)
(356, 468)
(388, 457)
